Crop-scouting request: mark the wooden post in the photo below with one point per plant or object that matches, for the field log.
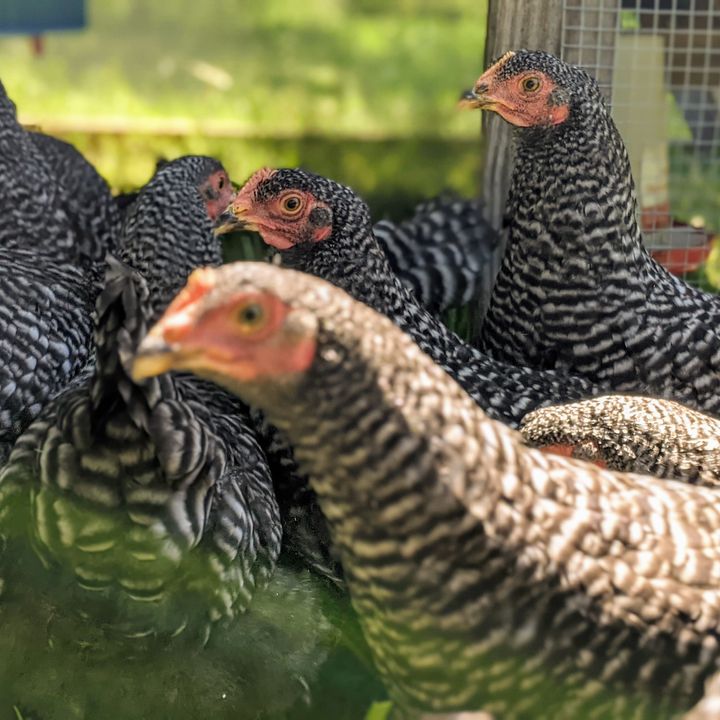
(512, 24)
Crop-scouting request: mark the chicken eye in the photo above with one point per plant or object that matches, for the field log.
(221, 183)
(251, 316)
(291, 204)
(531, 84)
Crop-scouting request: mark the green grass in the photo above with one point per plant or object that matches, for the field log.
(322, 68)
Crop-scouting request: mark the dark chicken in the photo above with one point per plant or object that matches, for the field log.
(577, 290)
(34, 208)
(47, 268)
(323, 228)
(639, 434)
(486, 574)
(155, 495)
(88, 202)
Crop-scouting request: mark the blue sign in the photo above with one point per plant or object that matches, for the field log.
(34, 17)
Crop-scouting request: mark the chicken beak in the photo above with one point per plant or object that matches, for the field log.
(477, 99)
(234, 217)
(469, 100)
(154, 357)
(481, 97)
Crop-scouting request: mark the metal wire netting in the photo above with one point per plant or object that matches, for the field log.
(658, 63)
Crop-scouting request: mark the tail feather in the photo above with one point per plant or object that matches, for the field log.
(447, 253)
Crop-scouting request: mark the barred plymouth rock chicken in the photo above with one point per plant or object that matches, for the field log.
(487, 575)
(640, 434)
(446, 253)
(156, 496)
(45, 335)
(577, 290)
(46, 292)
(34, 208)
(323, 228)
(87, 197)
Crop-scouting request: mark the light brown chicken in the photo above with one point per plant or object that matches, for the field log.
(487, 575)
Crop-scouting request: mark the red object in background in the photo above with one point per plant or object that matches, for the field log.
(655, 217)
(38, 45)
(688, 255)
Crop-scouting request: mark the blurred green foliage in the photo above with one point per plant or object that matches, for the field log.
(268, 80)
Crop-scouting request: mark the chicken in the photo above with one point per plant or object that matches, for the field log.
(487, 575)
(577, 290)
(48, 264)
(323, 228)
(156, 497)
(640, 434)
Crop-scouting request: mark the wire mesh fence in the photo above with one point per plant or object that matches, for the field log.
(658, 64)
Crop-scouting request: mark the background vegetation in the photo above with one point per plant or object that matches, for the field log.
(364, 91)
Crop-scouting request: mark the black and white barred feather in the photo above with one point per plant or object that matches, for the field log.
(633, 433)
(447, 254)
(87, 197)
(45, 335)
(34, 208)
(48, 261)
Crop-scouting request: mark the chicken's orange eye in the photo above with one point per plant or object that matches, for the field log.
(291, 204)
(530, 84)
(251, 316)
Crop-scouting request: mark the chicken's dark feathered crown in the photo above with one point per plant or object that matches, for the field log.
(351, 259)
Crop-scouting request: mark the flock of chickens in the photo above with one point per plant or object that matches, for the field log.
(320, 407)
